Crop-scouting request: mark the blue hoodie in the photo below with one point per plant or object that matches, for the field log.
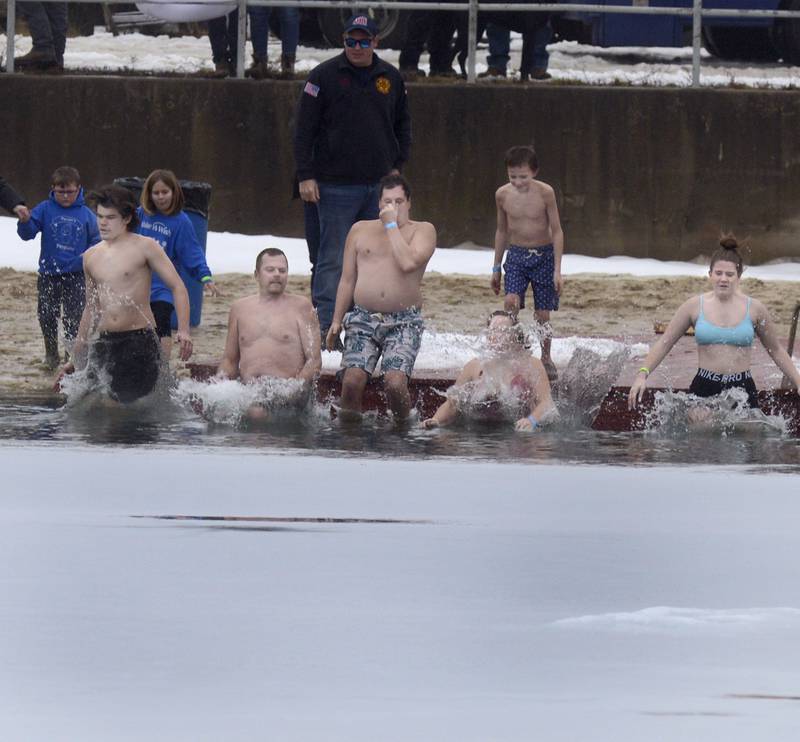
(67, 233)
(177, 236)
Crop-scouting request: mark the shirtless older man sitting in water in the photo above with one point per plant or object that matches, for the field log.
(272, 333)
(118, 272)
(509, 384)
(384, 261)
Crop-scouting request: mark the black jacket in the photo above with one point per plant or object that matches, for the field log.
(352, 127)
(9, 198)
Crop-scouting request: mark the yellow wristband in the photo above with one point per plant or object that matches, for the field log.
(644, 370)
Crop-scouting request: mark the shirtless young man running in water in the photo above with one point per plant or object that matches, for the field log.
(118, 272)
(384, 261)
(528, 226)
(272, 333)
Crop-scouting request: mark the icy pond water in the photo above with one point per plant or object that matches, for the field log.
(167, 580)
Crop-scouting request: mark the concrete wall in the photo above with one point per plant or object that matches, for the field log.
(644, 172)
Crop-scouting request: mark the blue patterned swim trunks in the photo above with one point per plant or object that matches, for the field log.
(534, 265)
(396, 335)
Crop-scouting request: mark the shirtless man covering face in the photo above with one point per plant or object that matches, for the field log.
(272, 333)
(384, 261)
(118, 272)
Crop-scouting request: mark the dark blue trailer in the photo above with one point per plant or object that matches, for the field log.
(752, 39)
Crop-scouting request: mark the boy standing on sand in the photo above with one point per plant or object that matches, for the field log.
(68, 228)
(528, 226)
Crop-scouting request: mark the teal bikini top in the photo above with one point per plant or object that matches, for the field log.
(740, 335)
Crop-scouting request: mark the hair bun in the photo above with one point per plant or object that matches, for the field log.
(728, 242)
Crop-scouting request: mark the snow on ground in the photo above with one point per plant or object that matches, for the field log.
(228, 252)
(569, 60)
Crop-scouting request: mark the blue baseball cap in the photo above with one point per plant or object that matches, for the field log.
(361, 22)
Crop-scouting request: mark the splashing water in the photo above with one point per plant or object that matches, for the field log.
(585, 382)
(681, 413)
(228, 402)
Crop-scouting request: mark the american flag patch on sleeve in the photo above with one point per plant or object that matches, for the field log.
(311, 89)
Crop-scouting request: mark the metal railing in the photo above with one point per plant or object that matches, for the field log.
(472, 7)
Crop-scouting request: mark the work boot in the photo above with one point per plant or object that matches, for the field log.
(445, 72)
(493, 73)
(540, 73)
(287, 65)
(221, 69)
(40, 59)
(258, 70)
(411, 74)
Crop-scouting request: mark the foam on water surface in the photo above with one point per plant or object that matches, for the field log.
(670, 619)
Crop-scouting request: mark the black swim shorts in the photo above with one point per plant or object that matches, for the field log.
(131, 360)
(708, 384)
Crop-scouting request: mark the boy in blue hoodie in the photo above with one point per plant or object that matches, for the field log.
(68, 229)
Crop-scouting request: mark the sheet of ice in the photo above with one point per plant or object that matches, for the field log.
(228, 252)
(452, 628)
(569, 61)
(668, 619)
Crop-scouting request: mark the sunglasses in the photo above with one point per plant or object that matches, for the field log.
(352, 43)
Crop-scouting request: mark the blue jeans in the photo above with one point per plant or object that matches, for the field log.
(47, 23)
(340, 207)
(500, 46)
(289, 19)
(311, 225)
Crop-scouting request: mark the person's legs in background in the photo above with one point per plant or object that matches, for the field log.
(418, 30)
(541, 57)
(440, 44)
(74, 300)
(43, 54)
(499, 50)
(311, 225)
(340, 206)
(259, 35)
(290, 38)
(48, 310)
(57, 14)
(223, 49)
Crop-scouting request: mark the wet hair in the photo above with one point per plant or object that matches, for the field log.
(167, 177)
(272, 252)
(519, 333)
(522, 155)
(729, 251)
(65, 175)
(118, 198)
(392, 181)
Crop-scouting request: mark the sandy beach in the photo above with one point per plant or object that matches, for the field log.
(591, 305)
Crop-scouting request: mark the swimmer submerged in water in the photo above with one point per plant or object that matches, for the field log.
(725, 323)
(273, 335)
(509, 383)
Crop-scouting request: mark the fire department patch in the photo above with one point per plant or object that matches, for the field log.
(383, 85)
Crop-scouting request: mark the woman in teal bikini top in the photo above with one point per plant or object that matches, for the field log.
(724, 345)
(741, 335)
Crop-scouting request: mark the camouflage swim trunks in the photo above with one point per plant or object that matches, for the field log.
(395, 335)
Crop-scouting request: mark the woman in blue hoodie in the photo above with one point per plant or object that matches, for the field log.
(68, 228)
(162, 218)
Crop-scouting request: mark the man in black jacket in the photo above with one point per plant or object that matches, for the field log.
(11, 201)
(353, 127)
